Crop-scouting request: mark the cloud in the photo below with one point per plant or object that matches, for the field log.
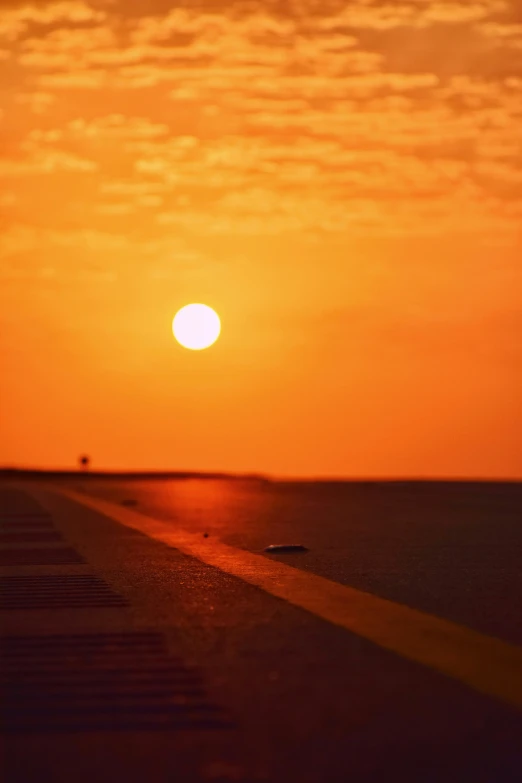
(46, 162)
(136, 193)
(115, 209)
(65, 47)
(362, 14)
(36, 254)
(75, 80)
(345, 88)
(210, 26)
(89, 239)
(118, 126)
(234, 98)
(132, 188)
(266, 211)
(501, 31)
(217, 46)
(506, 37)
(499, 171)
(17, 20)
(37, 102)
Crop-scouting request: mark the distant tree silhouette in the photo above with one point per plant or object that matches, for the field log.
(84, 461)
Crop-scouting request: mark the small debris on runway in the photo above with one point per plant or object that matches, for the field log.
(281, 549)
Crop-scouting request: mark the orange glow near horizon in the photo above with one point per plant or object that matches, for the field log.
(345, 195)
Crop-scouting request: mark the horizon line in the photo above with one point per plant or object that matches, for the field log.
(7, 471)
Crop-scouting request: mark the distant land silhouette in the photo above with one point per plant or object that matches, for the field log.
(32, 473)
(86, 475)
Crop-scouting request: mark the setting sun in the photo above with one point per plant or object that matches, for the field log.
(196, 326)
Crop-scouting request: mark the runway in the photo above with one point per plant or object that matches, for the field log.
(389, 650)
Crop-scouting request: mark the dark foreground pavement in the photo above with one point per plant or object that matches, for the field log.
(123, 659)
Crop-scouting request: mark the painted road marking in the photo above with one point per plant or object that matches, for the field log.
(484, 663)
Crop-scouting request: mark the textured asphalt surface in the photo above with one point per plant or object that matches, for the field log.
(307, 701)
(450, 549)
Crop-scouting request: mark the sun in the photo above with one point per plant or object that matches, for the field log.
(196, 326)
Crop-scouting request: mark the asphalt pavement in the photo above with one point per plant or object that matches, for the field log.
(123, 657)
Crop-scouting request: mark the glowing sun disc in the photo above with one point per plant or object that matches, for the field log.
(196, 326)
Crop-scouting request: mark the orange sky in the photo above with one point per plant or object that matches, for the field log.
(342, 182)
